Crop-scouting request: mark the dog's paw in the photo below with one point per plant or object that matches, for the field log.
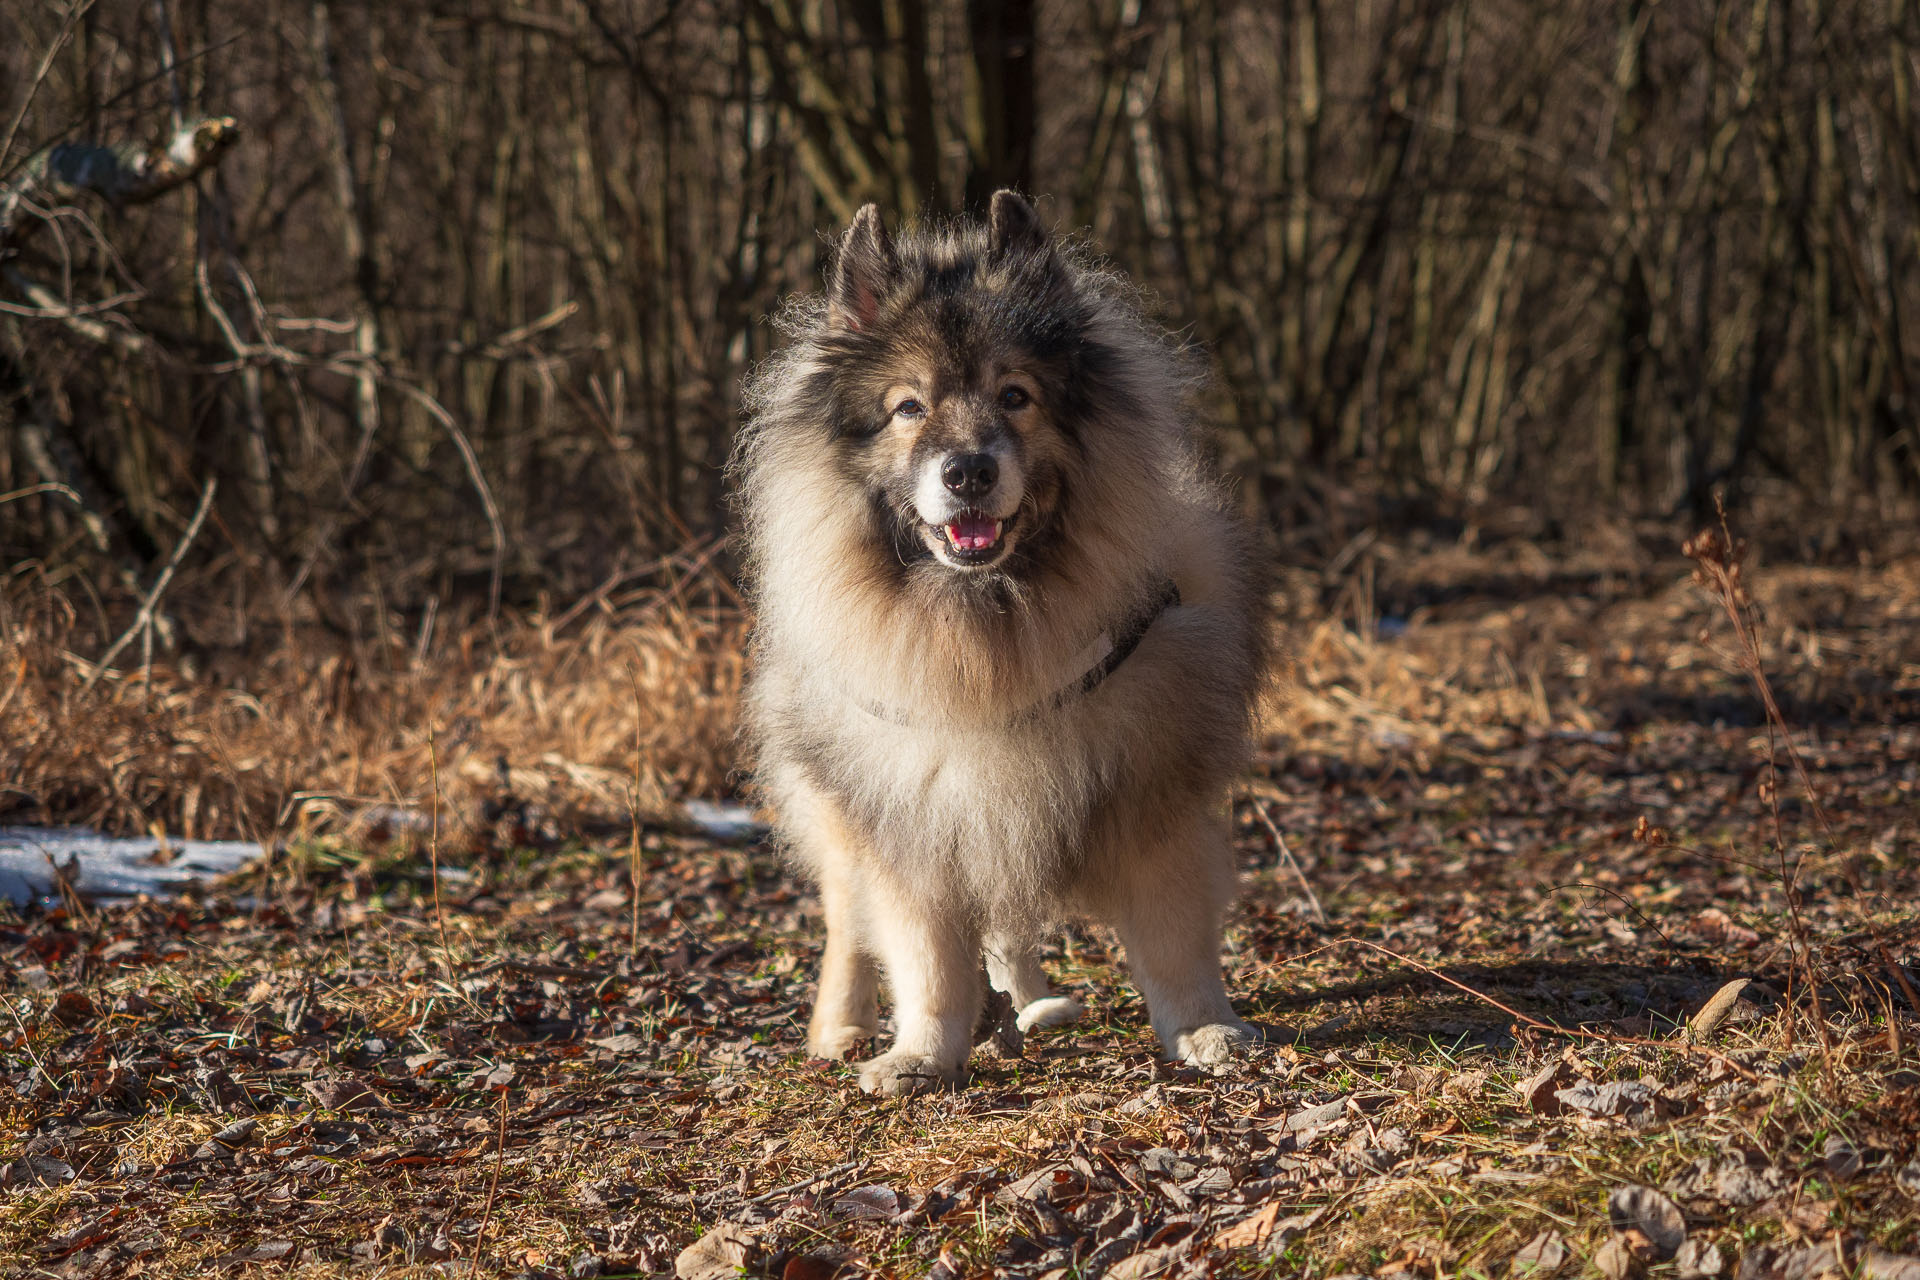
(1216, 1044)
(837, 1043)
(1051, 1011)
(899, 1075)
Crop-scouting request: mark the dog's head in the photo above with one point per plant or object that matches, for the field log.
(955, 372)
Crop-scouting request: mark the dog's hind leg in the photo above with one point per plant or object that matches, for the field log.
(1013, 967)
(847, 1009)
(1167, 907)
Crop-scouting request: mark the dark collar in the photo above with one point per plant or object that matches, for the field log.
(1097, 661)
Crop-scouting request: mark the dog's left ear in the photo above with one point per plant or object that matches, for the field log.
(1013, 228)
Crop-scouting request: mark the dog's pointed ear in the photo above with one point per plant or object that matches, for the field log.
(1013, 228)
(864, 270)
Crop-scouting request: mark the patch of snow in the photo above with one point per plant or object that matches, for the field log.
(724, 821)
(108, 866)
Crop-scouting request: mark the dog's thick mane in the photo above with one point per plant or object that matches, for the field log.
(832, 590)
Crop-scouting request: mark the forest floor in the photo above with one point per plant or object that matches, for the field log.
(1536, 832)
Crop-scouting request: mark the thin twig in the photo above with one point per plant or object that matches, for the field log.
(804, 1183)
(50, 486)
(67, 25)
(144, 618)
(433, 842)
(464, 447)
(1538, 1024)
(111, 303)
(499, 1158)
(163, 32)
(1899, 975)
(1286, 854)
(531, 969)
(1624, 901)
(633, 814)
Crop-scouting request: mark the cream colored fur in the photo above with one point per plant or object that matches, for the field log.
(968, 829)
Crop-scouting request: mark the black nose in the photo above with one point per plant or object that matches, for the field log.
(970, 475)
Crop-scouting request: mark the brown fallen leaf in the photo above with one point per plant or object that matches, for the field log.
(344, 1093)
(1539, 1088)
(82, 1237)
(997, 1034)
(1265, 1229)
(1805, 1262)
(1147, 1262)
(1883, 1264)
(1053, 1183)
(1640, 1245)
(624, 1043)
(1635, 1101)
(1716, 1009)
(1546, 1252)
(1613, 1260)
(72, 1009)
(239, 1133)
(1644, 1213)
(1249, 1233)
(1313, 1117)
(36, 1170)
(721, 1254)
(874, 1203)
(809, 1266)
(1698, 1259)
(1716, 925)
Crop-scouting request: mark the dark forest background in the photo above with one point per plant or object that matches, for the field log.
(464, 309)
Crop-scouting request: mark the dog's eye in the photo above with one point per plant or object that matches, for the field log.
(1015, 398)
(909, 409)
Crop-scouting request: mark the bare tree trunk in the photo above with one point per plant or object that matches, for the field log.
(355, 242)
(1002, 98)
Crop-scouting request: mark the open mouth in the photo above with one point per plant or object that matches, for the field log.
(972, 537)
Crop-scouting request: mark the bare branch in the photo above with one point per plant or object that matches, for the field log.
(145, 617)
(123, 174)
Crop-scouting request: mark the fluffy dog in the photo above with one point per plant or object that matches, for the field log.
(1006, 638)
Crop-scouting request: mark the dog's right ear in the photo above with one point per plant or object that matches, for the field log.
(1014, 227)
(863, 272)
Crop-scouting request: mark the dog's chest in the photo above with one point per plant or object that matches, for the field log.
(1005, 801)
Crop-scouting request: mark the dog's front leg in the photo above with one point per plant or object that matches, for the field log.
(847, 1008)
(1168, 913)
(932, 963)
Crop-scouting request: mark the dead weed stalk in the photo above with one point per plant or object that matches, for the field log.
(1719, 560)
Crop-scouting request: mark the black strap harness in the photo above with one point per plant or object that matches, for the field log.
(1118, 647)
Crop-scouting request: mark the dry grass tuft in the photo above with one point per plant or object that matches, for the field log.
(553, 727)
(1422, 654)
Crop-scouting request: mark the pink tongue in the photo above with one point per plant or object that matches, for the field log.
(971, 532)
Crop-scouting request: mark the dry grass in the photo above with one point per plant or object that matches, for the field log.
(1404, 652)
(1413, 653)
(564, 727)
